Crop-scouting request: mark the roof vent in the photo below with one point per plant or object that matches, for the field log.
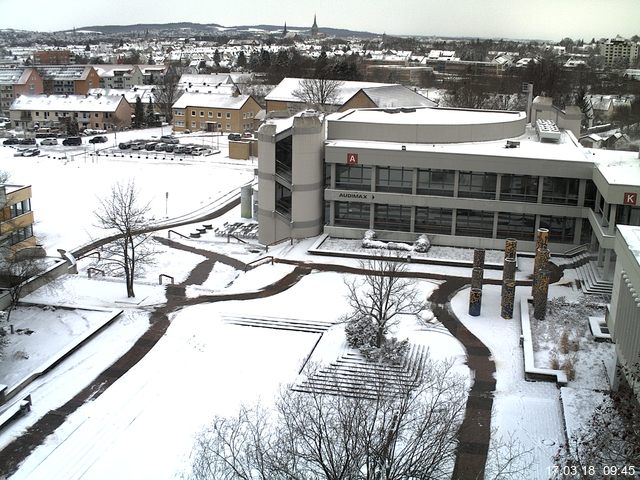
(548, 130)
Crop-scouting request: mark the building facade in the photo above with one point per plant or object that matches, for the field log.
(464, 177)
(16, 217)
(212, 112)
(623, 317)
(68, 79)
(619, 52)
(15, 82)
(103, 112)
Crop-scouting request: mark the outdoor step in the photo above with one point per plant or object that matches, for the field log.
(279, 324)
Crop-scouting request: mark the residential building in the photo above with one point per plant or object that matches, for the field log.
(214, 83)
(52, 57)
(15, 82)
(16, 217)
(467, 178)
(212, 112)
(623, 317)
(347, 95)
(619, 52)
(68, 79)
(90, 111)
(119, 76)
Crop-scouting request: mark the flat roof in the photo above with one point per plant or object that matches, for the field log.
(631, 236)
(429, 116)
(616, 166)
(530, 147)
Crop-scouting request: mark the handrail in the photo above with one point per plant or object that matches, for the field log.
(229, 235)
(277, 242)
(578, 249)
(93, 269)
(258, 262)
(177, 233)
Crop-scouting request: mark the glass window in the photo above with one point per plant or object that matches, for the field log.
(474, 223)
(436, 182)
(519, 188)
(283, 200)
(352, 214)
(202, 114)
(219, 114)
(355, 177)
(560, 228)
(590, 194)
(392, 217)
(228, 115)
(193, 113)
(516, 225)
(433, 220)
(561, 191)
(391, 179)
(477, 185)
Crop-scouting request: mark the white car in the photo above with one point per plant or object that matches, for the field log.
(27, 152)
(49, 141)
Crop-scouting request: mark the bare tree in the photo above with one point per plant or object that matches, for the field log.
(399, 431)
(377, 300)
(15, 270)
(318, 92)
(507, 458)
(167, 93)
(120, 212)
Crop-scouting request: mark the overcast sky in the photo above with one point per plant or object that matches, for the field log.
(535, 19)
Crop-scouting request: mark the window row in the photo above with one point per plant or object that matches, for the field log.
(516, 188)
(20, 208)
(473, 223)
(21, 234)
(210, 114)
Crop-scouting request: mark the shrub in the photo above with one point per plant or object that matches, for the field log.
(564, 342)
(569, 369)
(553, 361)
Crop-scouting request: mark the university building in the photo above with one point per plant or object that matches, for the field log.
(468, 178)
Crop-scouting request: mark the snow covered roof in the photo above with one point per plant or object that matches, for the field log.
(396, 96)
(631, 236)
(67, 103)
(347, 89)
(145, 93)
(618, 167)
(110, 70)
(11, 76)
(205, 80)
(211, 100)
(65, 72)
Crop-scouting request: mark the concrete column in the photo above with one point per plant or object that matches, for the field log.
(612, 219)
(582, 189)
(508, 299)
(498, 188)
(412, 226)
(414, 182)
(494, 233)
(456, 182)
(540, 189)
(510, 248)
(477, 275)
(478, 257)
(540, 295)
(475, 302)
(608, 264)
(454, 219)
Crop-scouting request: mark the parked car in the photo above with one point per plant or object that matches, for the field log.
(125, 145)
(180, 149)
(49, 141)
(11, 141)
(27, 141)
(27, 152)
(235, 136)
(98, 139)
(150, 146)
(168, 147)
(160, 147)
(72, 141)
(169, 139)
(138, 145)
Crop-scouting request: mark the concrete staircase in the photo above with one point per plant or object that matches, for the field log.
(353, 376)
(591, 281)
(278, 323)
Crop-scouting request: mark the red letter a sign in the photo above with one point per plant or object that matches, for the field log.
(352, 158)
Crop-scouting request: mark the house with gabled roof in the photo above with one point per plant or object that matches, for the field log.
(211, 112)
(15, 82)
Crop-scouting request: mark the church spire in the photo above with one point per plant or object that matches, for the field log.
(314, 27)
(284, 32)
